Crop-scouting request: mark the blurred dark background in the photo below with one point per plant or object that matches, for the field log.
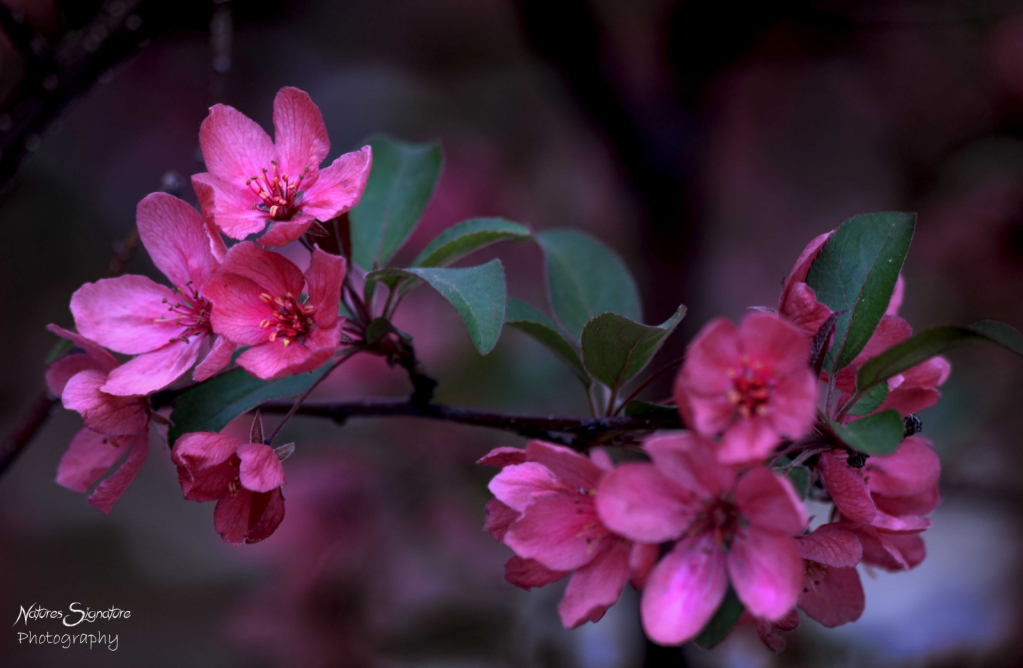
(707, 141)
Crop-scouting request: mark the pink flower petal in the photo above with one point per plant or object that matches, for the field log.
(793, 406)
(831, 545)
(637, 501)
(642, 559)
(596, 586)
(61, 371)
(260, 470)
(204, 467)
(227, 207)
(234, 147)
(87, 458)
(690, 461)
(529, 573)
(104, 360)
(238, 310)
(702, 384)
(766, 570)
(912, 469)
(684, 591)
(499, 518)
(573, 469)
(833, 597)
(110, 490)
(921, 505)
(890, 331)
(905, 524)
(324, 277)
(561, 531)
(802, 266)
(275, 360)
(150, 372)
(283, 232)
(767, 500)
(846, 486)
(898, 294)
(104, 413)
(519, 485)
(299, 132)
(219, 357)
(908, 400)
(177, 240)
(774, 343)
(271, 271)
(128, 314)
(503, 456)
(339, 187)
(748, 441)
(910, 546)
(801, 308)
(267, 514)
(232, 516)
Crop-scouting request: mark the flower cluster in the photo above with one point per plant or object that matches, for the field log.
(218, 301)
(715, 509)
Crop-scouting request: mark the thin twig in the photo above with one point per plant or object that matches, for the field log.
(348, 354)
(22, 435)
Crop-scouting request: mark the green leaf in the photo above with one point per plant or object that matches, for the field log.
(856, 271)
(400, 184)
(586, 278)
(378, 329)
(615, 348)
(870, 401)
(799, 476)
(458, 241)
(722, 622)
(878, 434)
(644, 410)
(478, 294)
(532, 322)
(209, 406)
(926, 345)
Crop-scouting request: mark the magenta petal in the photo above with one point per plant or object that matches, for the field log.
(573, 469)
(271, 271)
(234, 147)
(747, 441)
(766, 570)
(339, 187)
(529, 573)
(921, 505)
(913, 468)
(61, 371)
(767, 500)
(150, 372)
(642, 559)
(275, 360)
(691, 462)
(910, 546)
(561, 531)
(87, 458)
(218, 358)
(104, 360)
(111, 489)
(283, 232)
(774, 343)
(260, 470)
(238, 310)
(794, 404)
(128, 314)
(802, 266)
(102, 412)
(267, 514)
(846, 486)
(300, 135)
(177, 240)
(801, 308)
(637, 501)
(227, 207)
(203, 464)
(324, 277)
(503, 456)
(231, 516)
(684, 591)
(519, 485)
(833, 596)
(596, 586)
(499, 518)
(832, 546)
(905, 524)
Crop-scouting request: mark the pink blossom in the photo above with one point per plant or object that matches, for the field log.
(114, 425)
(257, 302)
(253, 181)
(544, 511)
(243, 478)
(727, 529)
(168, 329)
(752, 384)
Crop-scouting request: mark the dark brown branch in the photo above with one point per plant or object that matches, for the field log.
(579, 433)
(22, 435)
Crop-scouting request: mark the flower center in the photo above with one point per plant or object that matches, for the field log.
(192, 313)
(814, 574)
(751, 388)
(720, 517)
(289, 319)
(277, 192)
(236, 483)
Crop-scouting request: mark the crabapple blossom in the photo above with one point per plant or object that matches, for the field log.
(257, 302)
(254, 181)
(114, 425)
(243, 478)
(543, 509)
(727, 527)
(752, 384)
(167, 329)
